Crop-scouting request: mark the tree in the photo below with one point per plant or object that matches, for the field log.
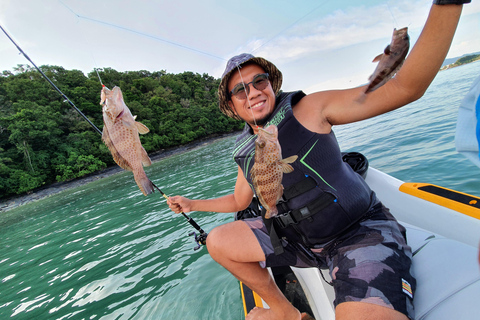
(43, 139)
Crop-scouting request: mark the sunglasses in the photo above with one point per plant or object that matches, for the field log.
(240, 91)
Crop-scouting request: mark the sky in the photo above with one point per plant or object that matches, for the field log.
(316, 44)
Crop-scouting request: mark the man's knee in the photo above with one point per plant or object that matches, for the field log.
(361, 310)
(233, 241)
(219, 239)
(213, 239)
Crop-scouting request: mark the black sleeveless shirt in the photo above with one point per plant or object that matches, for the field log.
(323, 193)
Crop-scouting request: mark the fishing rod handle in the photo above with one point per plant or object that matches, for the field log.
(189, 219)
(193, 223)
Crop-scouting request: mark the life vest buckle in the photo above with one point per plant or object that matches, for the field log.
(284, 220)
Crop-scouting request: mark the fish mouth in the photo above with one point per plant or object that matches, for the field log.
(266, 133)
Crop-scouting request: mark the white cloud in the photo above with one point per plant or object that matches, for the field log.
(330, 43)
(341, 29)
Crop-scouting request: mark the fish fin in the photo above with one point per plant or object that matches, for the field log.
(378, 58)
(256, 187)
(290, 159)
(122, 163)
(135, 117)
(145, 185)
(252, 174)
(146, 161)
(286, 168)
(280, 192)
(271, 212)
(142, 129)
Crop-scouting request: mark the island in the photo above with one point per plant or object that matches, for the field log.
(461, 61)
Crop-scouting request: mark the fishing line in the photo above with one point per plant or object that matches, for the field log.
(99, 79)
(90, 45)
(248, 100)
(51, 83)
(200, 239)
(393, 16)
(290, 26)
(143, 34)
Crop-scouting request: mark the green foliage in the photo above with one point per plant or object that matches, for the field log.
(467, 59)
(78, 166)
(44, 140)
(461, 61)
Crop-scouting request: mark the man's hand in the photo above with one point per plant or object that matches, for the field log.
(179, 204)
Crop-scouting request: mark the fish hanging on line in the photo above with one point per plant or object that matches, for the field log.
(267, 171)
(120, 135)
(391, 60)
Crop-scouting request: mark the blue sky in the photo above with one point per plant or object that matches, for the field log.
(317, 44)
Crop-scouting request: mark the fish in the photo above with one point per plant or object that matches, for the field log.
(121, 136)
(268, 169)
(391, 60)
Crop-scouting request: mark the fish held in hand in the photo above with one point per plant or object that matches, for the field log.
(268, 169)
(391, 60)
(120, 135)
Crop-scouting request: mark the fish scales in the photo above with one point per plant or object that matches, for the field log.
(391, 60)
(268, 169)
(121, 136)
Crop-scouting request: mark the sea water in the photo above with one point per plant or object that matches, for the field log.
(105, 251)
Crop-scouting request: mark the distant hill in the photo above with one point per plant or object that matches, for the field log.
(465, 59)
(452, 60)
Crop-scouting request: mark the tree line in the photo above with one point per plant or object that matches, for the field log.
(44, 140)
(463, 60)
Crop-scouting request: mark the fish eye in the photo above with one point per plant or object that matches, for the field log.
(261, 144)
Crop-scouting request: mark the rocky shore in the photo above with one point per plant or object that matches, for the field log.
(58, 187)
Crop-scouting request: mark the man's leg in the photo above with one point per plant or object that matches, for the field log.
(235, 247)
(364, 311)
(370, 269)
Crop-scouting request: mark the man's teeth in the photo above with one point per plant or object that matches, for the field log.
(256, 105)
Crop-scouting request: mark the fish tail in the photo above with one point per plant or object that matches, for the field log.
(145, 185)
(272, 212)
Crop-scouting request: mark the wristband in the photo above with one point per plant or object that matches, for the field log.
(442, 2)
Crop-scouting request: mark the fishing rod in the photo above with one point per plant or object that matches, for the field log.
(200, 239)
(51, 83)
(173, 43)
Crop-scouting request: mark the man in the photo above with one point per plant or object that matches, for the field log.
(345, 226)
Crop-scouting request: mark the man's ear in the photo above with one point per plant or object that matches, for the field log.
(232, 107)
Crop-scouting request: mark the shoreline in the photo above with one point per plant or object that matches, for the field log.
(58, 187)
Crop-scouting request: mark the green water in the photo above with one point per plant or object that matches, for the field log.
(104, 251)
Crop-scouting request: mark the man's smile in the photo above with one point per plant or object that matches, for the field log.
(257, 105)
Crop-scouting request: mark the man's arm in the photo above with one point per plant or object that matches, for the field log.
(324, 109)
(238, 200)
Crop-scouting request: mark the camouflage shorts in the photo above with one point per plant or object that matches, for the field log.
(369, 263)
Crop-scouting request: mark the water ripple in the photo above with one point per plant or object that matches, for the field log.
(105, 251)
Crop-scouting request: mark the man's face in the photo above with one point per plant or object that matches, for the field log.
(259, 104)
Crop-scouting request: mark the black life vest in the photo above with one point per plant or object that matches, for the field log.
(323, 196)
